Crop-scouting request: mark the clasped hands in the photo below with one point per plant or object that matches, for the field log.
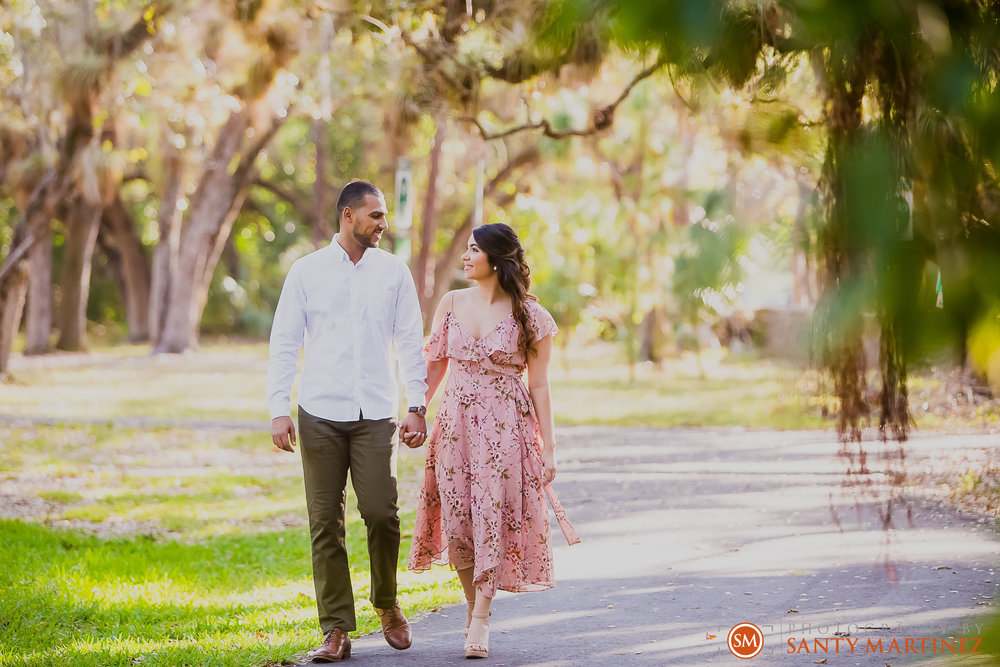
(413, 430)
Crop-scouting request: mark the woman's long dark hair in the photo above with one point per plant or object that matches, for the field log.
(503, 250)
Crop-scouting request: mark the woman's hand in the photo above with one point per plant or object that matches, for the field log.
(413, 430)
(548, 464)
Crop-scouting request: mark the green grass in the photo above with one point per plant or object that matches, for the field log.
(226, 382)
(66, 598)
(213, 567)
(592, 386)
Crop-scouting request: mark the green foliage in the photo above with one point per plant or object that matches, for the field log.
(708, 273)
(885, 69)
(8, 218)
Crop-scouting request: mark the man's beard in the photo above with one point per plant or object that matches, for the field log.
(366, 241)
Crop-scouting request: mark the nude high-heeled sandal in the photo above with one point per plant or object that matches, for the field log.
(479, 647)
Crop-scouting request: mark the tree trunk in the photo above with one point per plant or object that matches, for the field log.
(214, 207)
(12, 292)
(423, 268)
(56, 186)
(39, 317)
(231, 259)
(321, 230)
(81, 239)
(53, 188)
(651, 339)
(802, 293)
(120, 230)
(165, 254)
(682, 210)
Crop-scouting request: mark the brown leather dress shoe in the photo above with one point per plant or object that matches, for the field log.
(336, 646)
(395, 629)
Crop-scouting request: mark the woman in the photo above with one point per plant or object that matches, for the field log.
(491, 454)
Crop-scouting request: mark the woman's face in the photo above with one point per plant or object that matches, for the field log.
(475, 263)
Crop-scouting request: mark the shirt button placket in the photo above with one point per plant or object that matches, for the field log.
(356, 335)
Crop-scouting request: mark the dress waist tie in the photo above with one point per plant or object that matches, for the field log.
(526, 406)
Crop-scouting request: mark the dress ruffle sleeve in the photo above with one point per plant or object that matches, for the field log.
(542, 324)
(437, 345)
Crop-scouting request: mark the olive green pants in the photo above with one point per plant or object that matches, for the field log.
(329, 449)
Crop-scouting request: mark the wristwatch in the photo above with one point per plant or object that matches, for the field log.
(419, 409)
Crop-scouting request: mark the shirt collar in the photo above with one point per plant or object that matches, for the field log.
(339, 252)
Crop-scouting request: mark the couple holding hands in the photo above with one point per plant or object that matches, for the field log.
(490, 454)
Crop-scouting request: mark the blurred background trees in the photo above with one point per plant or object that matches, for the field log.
(673, 167)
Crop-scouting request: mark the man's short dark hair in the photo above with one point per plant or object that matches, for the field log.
(353, 196)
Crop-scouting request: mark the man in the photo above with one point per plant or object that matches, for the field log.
(350, 303)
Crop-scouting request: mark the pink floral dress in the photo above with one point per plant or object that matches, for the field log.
(483, 501)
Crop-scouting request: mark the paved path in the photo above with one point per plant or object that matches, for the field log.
(689, 532)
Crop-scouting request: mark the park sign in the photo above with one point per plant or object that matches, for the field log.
(404, 207)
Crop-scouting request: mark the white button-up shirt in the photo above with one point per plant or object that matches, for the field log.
(349, 316)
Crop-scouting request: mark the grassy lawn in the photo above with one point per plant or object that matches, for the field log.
(592, 386)
(589, 386)
(168, 547)
(181, 544)
(224, 382)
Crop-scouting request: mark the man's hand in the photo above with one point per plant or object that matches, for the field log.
(283, 433)
(413, 430)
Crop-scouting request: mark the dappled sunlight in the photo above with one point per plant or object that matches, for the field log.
(144, 597)
(186, 483)
(716, 528)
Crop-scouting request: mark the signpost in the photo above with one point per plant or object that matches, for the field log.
(404, 207)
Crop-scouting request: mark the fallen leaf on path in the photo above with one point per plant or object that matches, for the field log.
(708, 636)
(792, 611)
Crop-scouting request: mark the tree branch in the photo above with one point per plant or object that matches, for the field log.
(458, 241)
(32, 218)
(119, 46)
(297, 202)
(434, 58)
(601, 120)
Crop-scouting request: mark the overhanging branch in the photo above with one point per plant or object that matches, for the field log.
(601, 119)
(297, 202)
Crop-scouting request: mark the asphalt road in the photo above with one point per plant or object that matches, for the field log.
(687, 533)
